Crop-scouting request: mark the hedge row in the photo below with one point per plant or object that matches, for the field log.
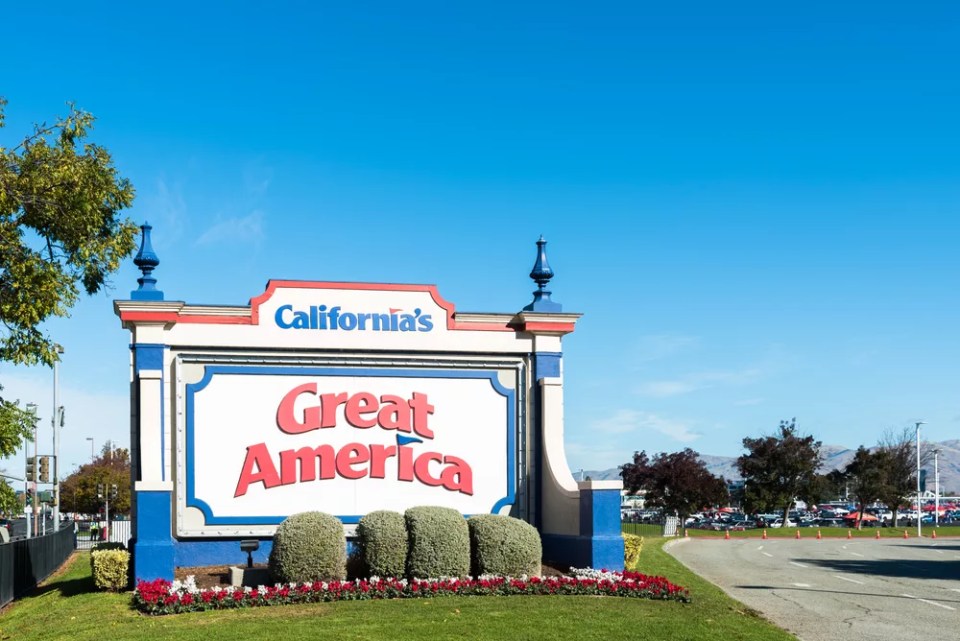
(424, 542)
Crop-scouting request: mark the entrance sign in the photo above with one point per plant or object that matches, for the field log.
(348, 398)
(351, 439)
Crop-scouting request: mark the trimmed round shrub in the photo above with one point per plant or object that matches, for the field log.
(309, 546)
(382, 539)
(439, 543)
(632, 546)
(110, 568)
(504, 546)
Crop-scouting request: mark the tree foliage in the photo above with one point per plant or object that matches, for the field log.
(677, 482)
(824, 487)
(779, 469)
(900, 450)
(9, 503)
(867, 477)
(60, 230)
(78, 491)
(16, 426)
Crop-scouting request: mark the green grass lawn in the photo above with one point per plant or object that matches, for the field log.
(68, 608)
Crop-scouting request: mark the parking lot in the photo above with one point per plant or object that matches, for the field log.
(860, 589)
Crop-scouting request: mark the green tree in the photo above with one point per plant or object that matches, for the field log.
(778, 469)
(78, 491)
(60, 232)
(8, 499)
(16, 426)
(677, 482)
(825, 487)
(867, 475)
(901, 468)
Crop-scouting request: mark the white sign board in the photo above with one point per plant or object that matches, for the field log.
(262, 442)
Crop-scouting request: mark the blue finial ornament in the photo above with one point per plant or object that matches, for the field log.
(146, 261)
(541, 275)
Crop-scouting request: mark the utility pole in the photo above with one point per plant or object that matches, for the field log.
(104, 491)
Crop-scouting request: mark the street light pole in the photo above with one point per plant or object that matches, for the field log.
(936, 481)
(919, 423)
(90, 438)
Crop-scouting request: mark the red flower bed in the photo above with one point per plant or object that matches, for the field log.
(162, 597)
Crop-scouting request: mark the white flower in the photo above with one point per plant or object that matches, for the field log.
(597, 575)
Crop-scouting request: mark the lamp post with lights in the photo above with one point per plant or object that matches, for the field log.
(919, 423)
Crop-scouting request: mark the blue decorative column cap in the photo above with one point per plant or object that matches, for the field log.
(146, 261)
(541, 274)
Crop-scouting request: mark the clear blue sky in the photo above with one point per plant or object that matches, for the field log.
(754, 206)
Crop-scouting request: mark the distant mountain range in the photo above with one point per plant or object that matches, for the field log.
(834, 458)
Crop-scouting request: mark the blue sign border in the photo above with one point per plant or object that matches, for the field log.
(211, 370)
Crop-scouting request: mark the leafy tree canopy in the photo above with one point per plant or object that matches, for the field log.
(867, 476)
(8, 499)
(60, 230)
(677, 482)
(78, 491)
(900, 450)
(16, 425)
(780, 468)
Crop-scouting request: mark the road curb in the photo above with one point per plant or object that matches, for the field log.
(669, 544)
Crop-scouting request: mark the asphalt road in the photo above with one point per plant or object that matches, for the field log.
(19, 527)
(827, 590)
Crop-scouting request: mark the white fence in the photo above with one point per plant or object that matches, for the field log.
(89, 533)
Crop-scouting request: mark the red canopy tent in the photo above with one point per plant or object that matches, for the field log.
(854, 516)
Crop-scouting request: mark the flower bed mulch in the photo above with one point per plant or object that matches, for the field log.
(163, 597)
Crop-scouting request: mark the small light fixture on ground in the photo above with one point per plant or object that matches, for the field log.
(249, 546)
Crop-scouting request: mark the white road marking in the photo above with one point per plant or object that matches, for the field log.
(799, 565)
(801, 585)
(939, 605)
(857, 554)
(760, 547)
(843, 578)
(954, 589)
(768, 554)
(939, 551)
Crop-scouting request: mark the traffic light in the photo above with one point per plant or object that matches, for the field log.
(113, 491)
(31, 467)
(44, 469)
(99, 490)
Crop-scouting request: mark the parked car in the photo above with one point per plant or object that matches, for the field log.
(779, 523)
